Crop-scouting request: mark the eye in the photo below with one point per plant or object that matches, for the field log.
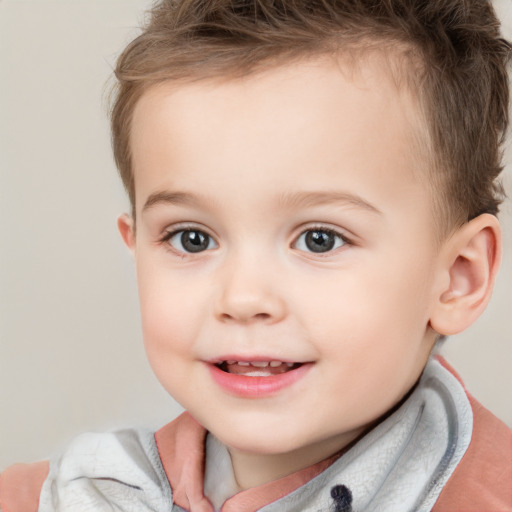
(319, 240)
(190, 241)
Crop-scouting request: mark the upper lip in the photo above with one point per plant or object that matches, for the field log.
(252, 359)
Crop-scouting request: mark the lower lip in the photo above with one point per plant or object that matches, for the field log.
(257, 387)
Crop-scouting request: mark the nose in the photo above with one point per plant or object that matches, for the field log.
(249, 292)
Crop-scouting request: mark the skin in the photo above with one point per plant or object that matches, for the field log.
(263, 161)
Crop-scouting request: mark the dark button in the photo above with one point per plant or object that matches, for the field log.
(342, 498)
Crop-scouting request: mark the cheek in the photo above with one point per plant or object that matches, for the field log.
(168, 332)
(168, 311)
(367, 318)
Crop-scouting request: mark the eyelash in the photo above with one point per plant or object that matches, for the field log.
(168, 236)
(323, 229)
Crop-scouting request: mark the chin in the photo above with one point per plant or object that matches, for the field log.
(257, 440)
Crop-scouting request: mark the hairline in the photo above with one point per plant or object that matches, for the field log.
(405, 59)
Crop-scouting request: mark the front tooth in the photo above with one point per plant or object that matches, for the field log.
(259, 364)
(257, 373)
(230, 362)
(275, 364)
(243, 363)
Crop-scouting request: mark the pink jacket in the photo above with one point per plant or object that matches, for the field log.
(482, 481)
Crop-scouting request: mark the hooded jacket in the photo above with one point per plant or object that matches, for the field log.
(440, 451)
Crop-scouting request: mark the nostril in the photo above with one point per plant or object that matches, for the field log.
(244, 316)
(342, 498)
(262, 316)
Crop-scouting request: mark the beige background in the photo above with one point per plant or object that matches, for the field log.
(71, 357)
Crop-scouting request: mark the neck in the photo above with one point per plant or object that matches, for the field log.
(255, 469)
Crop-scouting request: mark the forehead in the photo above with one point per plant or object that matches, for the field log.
(304, 119)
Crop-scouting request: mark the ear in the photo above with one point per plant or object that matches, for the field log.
(470, 260)
(126, 227)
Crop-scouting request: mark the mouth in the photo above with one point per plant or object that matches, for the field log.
(257, 379)
(256, 368)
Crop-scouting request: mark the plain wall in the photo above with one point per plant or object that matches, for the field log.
(71, 355)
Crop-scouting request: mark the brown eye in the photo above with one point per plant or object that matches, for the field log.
(319, 241)
(191, 241)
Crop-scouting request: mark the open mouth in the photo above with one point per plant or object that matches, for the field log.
(257, 368)
(257, 379)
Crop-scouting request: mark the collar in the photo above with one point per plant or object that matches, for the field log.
(401, 465)
(196, 463)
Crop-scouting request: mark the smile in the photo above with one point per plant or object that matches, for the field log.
(256, 379)
(256, 368)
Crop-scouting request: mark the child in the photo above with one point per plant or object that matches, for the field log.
(314, 200)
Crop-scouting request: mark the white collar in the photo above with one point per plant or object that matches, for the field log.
(401, 465)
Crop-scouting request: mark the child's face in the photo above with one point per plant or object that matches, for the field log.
(282, 218)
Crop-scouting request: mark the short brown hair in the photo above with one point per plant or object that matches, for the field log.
(461, 81)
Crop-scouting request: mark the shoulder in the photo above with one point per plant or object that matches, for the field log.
(483, 477)
(20, 486)
(118, 470)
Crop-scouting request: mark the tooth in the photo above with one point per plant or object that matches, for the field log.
(258, 373)
(243, 363)
(230, 362)
(260, 364)
(275, 364)
(289, 364)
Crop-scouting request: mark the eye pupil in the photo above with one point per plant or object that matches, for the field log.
(194, 241)
(320, 241)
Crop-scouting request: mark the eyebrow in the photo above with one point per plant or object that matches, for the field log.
(309, 199)
(287, 200)
(177, 198)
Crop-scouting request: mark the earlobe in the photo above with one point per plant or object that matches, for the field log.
(470, 263)
(125, 225)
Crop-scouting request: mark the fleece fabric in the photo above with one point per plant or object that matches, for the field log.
(439, 451)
